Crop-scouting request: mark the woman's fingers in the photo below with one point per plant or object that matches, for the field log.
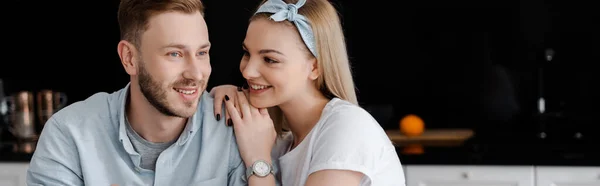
(264, 112)
(218, 105)
(221, 94)
(227, 118)
(234, 115)
(237, 107)
(243, 104)
(233, 100)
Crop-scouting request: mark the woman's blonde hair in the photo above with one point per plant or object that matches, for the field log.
(335, 76)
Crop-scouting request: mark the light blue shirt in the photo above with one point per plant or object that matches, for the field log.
(86, 143)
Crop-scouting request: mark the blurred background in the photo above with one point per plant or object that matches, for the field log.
(481, 66)
(474, 65)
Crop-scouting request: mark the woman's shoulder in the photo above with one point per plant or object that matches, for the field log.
(344, 112)
(342, 119)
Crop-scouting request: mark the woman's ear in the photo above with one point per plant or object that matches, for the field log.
(127, 52)
(314, 71)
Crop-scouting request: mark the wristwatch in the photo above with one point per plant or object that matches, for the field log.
(259, 168)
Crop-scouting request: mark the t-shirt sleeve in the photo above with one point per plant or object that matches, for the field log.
(349, 139)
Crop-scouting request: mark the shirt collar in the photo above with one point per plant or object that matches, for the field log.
(192, 125)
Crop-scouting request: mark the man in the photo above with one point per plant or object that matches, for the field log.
(159, 129)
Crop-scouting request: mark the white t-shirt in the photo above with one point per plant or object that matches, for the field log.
(346, 137)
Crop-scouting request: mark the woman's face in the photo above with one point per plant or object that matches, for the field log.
(276, 63)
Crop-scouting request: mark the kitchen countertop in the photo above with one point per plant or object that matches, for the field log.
(471, 152)
(474, 152)
(11, 151)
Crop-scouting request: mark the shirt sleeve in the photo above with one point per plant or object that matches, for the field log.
(55, 160)
(349, 139)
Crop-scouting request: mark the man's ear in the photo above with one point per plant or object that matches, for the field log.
(314, 69)
(127, 51)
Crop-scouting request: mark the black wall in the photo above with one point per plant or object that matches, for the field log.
(456, 65)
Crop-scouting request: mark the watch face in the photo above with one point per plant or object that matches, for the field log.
(261, 168)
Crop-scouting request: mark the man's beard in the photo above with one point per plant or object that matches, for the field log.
(151, 89)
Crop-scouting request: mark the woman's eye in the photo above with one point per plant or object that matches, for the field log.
(269, 60)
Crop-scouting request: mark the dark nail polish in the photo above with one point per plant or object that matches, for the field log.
(229, 122)
(226, 98)
(239, 89)
(218, 117)
(245, 86)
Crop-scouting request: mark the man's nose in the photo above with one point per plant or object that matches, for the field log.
(195, 69)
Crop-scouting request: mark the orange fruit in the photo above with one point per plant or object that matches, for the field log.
(412, 125)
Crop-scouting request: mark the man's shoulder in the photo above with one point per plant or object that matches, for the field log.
(98, 107)
(98, 102)
(209, 122)
(211, 127)
(207, 102)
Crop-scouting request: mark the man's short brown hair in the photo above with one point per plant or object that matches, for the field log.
(133, 15)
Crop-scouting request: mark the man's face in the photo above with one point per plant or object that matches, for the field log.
(174, 64)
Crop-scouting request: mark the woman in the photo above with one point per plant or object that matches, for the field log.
(296, 65)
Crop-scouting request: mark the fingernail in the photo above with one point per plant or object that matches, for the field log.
(226, 98)
(218, 117)
(229, 122)
(239, 89)
(245, 86)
